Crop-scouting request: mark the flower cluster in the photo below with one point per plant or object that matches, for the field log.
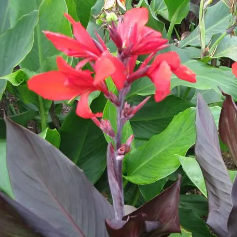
(132, 38)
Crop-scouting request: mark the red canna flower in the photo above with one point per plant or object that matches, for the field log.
(83, 46)
(132, 34)
(234, 68)
(66, 84)
(161, 71)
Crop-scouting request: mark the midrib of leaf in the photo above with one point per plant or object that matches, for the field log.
(81, 147)
(207, 30)
(5, 17)
(159, 152)
(74, 224)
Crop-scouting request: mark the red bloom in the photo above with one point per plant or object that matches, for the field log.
(83, 46)
(161, 70)
(136, 37)
(66, 84)
(234, 68)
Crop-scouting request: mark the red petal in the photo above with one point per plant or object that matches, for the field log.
(103, 69)
(161, 78)
(79, 77)
(54, 85)
(137, 16)
(172, 59)
(185, 73)
(82, 35)
(69, 46)
(83, 109)
(234, 68)
(108, 65)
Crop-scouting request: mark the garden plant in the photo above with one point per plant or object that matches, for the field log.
(118, 118)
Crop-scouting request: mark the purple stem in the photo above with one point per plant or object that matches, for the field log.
(117, 190)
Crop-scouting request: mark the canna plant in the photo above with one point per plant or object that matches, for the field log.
(52, 197)
(222, 194)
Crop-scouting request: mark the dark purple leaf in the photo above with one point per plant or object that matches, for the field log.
(232, 222)
(217, 180)
(228, 125)
(157, 217)
(52, 187)
(16, 220)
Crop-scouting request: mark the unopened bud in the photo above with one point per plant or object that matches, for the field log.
(99, 22)
(110, 17)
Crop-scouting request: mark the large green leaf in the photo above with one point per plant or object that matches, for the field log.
(56, 22)
(184, 233)
(214, 23)
(22, 118)
(15, 44)
(4, 15)
(193, 171)
(153, 21)
(154, 117)
(157, 158)
(19, 8)
(83, 9)
(207, 78)
(177, 9)
(227, 48)
(84, 143)
(5, 184)
(192, 222)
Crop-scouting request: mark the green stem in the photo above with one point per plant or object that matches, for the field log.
(170, 30)
(136, 197)
(202, 28)
(213, 47)
(42, 113)
(177, 34)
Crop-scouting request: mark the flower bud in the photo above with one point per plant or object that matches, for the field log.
(99, 21)
(111, 17)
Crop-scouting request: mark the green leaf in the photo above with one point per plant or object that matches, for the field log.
(52, 136)
(232, 174)
(4, 15)
(72, 9)
(5, 184)
(227, 48)
(193, 171)
(84, 143)
(184, 233)
(30, 99)
(195, 202)
(150, 191)
(19, 76)
(83, 9)
(51, 18)
(19, 8)
(192, 222)
(177, 9)
(15, 44)
(157, 158)
(154, 117)
(209, 78)
(22, 118)
(153, 21)
(214, 24)
(160, 8)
